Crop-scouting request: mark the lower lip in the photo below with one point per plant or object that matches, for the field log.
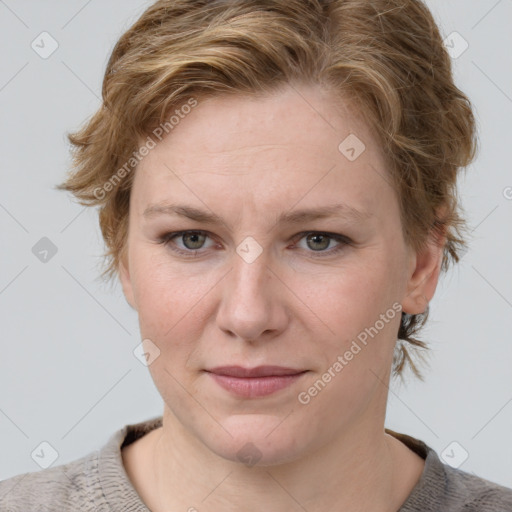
(250, 387)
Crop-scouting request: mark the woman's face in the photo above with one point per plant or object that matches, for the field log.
(263, 285)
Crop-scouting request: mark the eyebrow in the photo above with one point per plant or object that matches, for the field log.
(338, 210)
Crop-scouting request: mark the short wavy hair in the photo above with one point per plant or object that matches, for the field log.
(386, 56)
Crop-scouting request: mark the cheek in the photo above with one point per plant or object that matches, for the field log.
(354, 297)
(169, 309)
(171, 306)
(360, 307)
(364, 317)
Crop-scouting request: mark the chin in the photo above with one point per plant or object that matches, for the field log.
(254, 441)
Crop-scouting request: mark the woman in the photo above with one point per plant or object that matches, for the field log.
(277, 192)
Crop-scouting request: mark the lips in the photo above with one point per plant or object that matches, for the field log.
(259, 382)
(259, 371)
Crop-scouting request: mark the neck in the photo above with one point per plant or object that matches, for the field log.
(355, 471)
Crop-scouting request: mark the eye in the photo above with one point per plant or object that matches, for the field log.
(319, 241)
(316, 241)
(192, 240)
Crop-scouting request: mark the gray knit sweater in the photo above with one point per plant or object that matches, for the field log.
(99, 483)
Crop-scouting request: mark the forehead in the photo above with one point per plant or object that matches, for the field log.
(300, 115)
(295, 143)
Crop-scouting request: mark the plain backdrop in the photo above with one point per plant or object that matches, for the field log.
(68, 375)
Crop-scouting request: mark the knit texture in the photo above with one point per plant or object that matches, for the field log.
(98, 483)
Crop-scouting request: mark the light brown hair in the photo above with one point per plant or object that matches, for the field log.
(387, 56)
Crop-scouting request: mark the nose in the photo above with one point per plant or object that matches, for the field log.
(253, 299)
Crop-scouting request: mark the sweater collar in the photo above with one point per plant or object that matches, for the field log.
(121, 496)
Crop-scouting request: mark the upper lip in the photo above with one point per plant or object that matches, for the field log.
(258, 371)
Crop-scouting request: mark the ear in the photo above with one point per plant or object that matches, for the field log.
(126, 282)
(424, 271)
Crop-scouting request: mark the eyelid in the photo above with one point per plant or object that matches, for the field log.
(335, 236)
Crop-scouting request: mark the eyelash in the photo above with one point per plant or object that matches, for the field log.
(341, 239)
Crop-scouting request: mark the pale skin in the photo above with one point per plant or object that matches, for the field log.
(249, 160)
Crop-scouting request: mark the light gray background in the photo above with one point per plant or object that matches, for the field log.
(68, 375)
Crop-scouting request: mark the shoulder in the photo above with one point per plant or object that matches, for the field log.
(71, 485)
(474, 493)
(443, 487)
(96, 482)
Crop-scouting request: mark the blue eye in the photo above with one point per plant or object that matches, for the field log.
(193, 241)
